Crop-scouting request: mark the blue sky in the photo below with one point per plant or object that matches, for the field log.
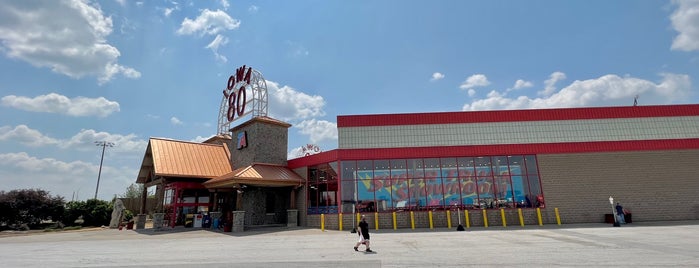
(77, 71)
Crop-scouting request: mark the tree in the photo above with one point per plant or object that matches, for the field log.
(30, 207)
(134, 191)
(94, 212)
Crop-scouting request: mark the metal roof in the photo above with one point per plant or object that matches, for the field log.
(173, 158)
(258, 174)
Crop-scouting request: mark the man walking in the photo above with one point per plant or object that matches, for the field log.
(363, 235)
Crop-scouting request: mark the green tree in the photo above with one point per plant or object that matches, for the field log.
(94, 212)
(135, 191)
(30, 207)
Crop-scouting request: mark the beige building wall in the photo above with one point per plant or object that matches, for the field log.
(653, 185)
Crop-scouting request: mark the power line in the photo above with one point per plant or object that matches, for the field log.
(104, 144)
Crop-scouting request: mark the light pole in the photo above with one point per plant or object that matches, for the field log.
(104, 144)
(611, 202)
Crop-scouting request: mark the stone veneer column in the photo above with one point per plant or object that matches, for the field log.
(158, 221)
(238, 221)
(292, 217)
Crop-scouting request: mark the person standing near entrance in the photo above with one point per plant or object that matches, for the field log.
(620, 213)
(363, 235)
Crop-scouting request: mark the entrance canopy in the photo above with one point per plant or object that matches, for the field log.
(258, 174)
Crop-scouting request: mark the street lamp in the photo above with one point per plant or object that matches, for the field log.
(611, 202)
(104, 144)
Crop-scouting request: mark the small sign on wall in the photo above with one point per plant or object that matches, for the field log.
(242, 140)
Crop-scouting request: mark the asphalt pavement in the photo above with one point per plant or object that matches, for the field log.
(655, 244)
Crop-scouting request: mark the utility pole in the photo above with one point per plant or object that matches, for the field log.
(104, 144)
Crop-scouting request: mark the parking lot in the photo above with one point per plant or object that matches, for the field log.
(670, 244)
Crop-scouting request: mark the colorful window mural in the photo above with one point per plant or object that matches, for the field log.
(486, 182)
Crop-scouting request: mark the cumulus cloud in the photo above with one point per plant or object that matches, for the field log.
(437, 76)
(84, 140)
(208, 22)
(217, 42)
(476, 80)
(25, 135)
(56, 103)
(519, 84)
(318, 130)
(225, 4)
(62, 178)
(471, 92)
(286, 103)
(607, 90)
(685, 20)
(176, 121)
(69, 37)
(550, 84)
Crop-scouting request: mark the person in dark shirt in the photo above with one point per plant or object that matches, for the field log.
(620, 213)
(363, 235)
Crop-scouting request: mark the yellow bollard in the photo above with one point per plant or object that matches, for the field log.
(448, 219)
(359, 217)
(468, 223)
(395, 223)
(538, 215)
(376, 220)
(340, 220)
(322, 222)
(412, 220)
(429, 216)
(485, 219)
(521, 218)
(558, 217)
(502, 215)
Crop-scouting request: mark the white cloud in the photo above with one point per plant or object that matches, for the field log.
(72, 41)
(607, 90)
(121, 2)
(685, 20)
(471, 92)
(62, 178)
(519, 84)
(208, 22)
(225, 4)
(318, 130)
(215, 44)
(550, 84)
(201, 139)
(82, 141)
(476, 80)
(26, 136)
(56, 103)
(175, 121)
(437, 76)
(285, 103)
(253, 9)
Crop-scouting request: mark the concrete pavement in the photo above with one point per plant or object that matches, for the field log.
(660, 244)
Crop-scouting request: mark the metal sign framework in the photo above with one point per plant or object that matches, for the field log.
(257, 105)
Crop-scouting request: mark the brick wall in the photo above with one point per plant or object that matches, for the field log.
(654, 186)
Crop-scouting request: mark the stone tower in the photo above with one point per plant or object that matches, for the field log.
(259, 140)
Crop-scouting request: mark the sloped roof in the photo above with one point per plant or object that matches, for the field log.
(257, 174)
(173, 158)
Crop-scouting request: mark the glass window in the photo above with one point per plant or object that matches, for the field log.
(469, 192)
(383, 194)
(531, 165)
(449, 169)
(415, 168)
(452, 191)
(417, 193)
(432, 168)
(434, 192)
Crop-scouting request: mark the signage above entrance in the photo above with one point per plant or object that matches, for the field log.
(245, 93)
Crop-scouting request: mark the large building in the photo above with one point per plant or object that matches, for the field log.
(427, 169)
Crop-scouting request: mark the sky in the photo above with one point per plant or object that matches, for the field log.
(76, 72)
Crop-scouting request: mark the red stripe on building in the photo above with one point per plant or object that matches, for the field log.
(517, 115)
(492, 150)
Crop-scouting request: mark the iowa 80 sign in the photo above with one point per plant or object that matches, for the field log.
(245, 93)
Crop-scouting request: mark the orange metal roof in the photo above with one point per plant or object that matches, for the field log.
(173, 158)
(258, 174)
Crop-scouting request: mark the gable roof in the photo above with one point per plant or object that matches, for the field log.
(173, 158)
(257, 174)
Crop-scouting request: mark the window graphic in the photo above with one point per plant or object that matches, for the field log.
(242, 140)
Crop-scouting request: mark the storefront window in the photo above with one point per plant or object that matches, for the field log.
(482, 182)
